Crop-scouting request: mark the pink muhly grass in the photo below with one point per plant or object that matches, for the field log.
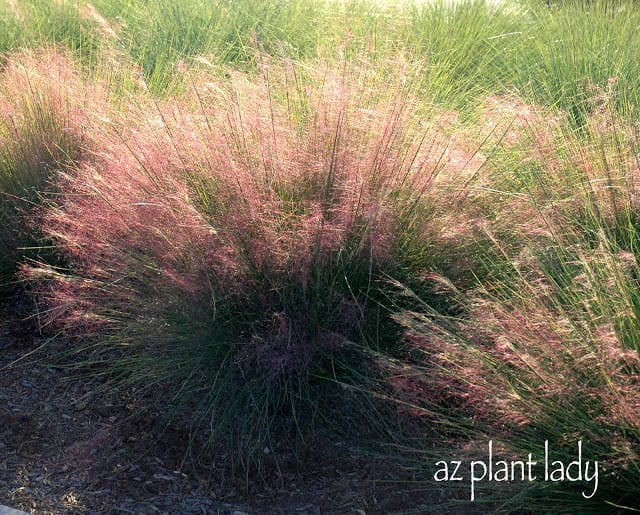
(235, 236)
(514, 122)
(539, 363)
(228, 245)
(579, 177)
(42, 106)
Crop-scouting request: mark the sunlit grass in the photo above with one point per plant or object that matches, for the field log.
(264, 207)
(232, 243)
(546, 347)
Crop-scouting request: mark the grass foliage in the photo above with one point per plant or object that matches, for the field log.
(38, 106)
(261, 208)
(260, 233)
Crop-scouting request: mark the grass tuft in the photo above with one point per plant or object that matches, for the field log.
(232, 246)
(39, 109)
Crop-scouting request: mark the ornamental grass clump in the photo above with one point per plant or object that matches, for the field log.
(225, 249)
(41, 100)
(546, 352)
(543, 366)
